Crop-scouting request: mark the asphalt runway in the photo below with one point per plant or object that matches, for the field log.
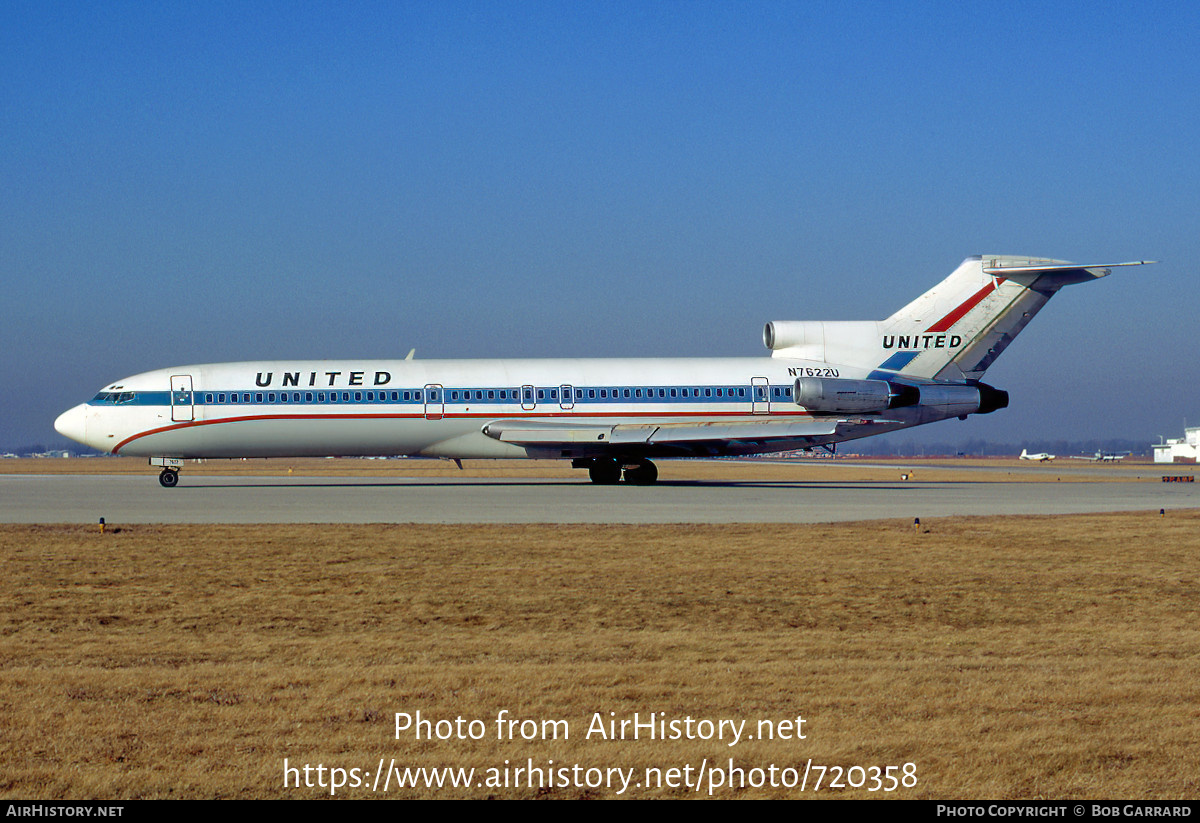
(245, 499)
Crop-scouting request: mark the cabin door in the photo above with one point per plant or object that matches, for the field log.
(181, 398)
(760, 395)
(435, 401)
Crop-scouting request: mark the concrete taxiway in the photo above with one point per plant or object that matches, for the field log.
(244, 499)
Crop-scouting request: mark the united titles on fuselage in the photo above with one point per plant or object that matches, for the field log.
(293, 378)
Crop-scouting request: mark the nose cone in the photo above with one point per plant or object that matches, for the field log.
(73, 423)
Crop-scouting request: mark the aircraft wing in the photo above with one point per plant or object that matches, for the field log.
(671, 438)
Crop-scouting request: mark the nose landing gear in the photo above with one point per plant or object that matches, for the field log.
(169, 476)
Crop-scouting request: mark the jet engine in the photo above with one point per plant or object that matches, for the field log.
(839, 395)
(842, 396)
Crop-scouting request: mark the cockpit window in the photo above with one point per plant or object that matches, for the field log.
(114, 397)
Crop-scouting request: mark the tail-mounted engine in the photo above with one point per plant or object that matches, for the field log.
(842, 396)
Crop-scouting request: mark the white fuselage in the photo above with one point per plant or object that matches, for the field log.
(431, 407)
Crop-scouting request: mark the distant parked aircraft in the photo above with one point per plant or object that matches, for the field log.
(1040, 456)
(1102, 457)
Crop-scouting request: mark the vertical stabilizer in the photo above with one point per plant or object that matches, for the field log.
(957, 329)
(952, 332)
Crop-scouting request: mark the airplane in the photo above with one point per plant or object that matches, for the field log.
(1040, 456)
(825, 382)
(1103, 457)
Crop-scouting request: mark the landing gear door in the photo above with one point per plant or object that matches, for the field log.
(181, 398)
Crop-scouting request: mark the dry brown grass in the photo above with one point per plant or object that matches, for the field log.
(1006, 657)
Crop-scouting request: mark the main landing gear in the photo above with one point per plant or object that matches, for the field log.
(168, 478)
(606, 471)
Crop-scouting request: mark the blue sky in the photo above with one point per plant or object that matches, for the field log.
(199, 182)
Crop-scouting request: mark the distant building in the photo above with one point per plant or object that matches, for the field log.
(1184, 449)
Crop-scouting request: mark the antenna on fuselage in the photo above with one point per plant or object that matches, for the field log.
(410, 354)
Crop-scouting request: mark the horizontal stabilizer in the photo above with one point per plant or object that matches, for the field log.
(1051, 275)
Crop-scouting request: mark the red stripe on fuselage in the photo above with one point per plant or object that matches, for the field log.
(537, 416)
